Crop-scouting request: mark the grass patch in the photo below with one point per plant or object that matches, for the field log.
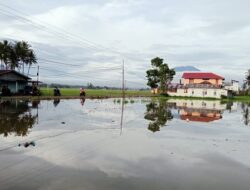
(239, 98)
(95, 92)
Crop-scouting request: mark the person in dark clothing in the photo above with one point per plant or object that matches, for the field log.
(57, 92)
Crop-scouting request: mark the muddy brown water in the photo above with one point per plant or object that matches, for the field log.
(141, 144)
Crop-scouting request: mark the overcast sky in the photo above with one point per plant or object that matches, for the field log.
(94, 35)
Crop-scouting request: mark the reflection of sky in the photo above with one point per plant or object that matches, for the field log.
(89, 151)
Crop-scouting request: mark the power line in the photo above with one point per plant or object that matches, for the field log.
(56, 29)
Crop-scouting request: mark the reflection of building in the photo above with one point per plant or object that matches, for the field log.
(199, 110)
(200, 115)
(207, 85)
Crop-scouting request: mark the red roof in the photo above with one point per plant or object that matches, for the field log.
(201, 76)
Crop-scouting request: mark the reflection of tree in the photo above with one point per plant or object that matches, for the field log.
(158, 114)
(15, 118)
(246, 115)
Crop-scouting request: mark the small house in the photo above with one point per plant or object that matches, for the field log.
(14, 80)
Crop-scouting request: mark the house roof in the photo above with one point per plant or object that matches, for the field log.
(2, 72)
(201, 76)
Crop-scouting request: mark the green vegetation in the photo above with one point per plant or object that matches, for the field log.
(246, 84)
(95, 92)
(16, 55)
(240, 98)
(160, 74)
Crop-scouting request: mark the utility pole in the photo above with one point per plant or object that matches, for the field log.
(123, 81)
(37, 74)
(123, 97)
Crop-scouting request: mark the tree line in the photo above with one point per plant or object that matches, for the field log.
(16, 55)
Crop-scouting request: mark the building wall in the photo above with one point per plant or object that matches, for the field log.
(198, 81)
(199, 104)
(199, 92)
(13, 86)
(235, 87)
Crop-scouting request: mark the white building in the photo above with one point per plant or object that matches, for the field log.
(233, 86)
(199, 84)
(194, 90)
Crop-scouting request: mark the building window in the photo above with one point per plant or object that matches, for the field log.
(185, 90)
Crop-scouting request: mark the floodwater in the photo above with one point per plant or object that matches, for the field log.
(141, 144)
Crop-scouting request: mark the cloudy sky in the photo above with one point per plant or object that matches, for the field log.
(84, 41)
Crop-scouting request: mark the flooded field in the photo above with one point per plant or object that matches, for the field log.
(141, 144)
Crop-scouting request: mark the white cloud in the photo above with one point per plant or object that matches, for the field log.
(210, 35)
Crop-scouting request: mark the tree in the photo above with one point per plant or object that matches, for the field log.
(90, 86)
(248, 79)
(16, 55)
(31, 59)
(5, 52)
(160, 75)
(24, 54)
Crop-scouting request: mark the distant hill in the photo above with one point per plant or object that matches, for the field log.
(186, 68)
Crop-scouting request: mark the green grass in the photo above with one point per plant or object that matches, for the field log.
(94, 92)
(240, 98)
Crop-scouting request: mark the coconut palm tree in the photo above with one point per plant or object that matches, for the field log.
(21, 49)
(31, 59)
(5, 51)
(17, 55)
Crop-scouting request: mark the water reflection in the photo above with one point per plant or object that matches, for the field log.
(82, 101)
(200, 110)
(245, 111)
(16, 117)
(56, 102)
(158, 113)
